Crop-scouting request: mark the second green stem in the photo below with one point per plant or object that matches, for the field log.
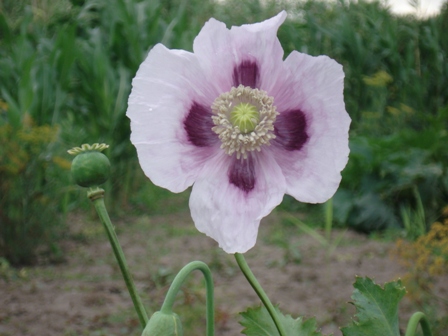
(177, 283)
(413, 324)
(96, 196)
(260, 292)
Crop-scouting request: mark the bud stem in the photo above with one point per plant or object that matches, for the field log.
(177, 283)
(96, 196)
(413, 324)
(260, 292)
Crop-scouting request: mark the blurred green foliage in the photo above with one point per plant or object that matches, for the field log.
(32, 195)
(386, 175)
(69, 64)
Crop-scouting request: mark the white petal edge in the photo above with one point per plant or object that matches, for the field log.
(260, 42)
(165, 86)
(229, 215)
(315, 86)
(220, 49)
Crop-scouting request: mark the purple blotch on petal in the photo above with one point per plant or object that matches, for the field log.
(247, 74)
(242, 174)
(290, 130)
(198, 125)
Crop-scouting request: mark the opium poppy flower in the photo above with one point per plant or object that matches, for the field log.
(240, 124)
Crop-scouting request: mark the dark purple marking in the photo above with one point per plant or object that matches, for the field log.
(247, 74)
(242, 174)
(290, 130)
(198, 125)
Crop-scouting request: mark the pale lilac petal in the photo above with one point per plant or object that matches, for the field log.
(165, 89)
(314, 86)
(259, 43)
(213, 48)
(222, 51)
(231, 214)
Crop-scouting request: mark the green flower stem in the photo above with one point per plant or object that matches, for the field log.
(413, 324)
(97, 197)
(180, 278)
(328, 210)
(259, 290)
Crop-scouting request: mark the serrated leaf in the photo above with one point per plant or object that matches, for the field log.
(377, 308)
(258, 322)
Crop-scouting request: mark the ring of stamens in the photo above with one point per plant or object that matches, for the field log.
(235, 140)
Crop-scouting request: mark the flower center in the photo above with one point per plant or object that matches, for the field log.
(245, 116)
(244, 120)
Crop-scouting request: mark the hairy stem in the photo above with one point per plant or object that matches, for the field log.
(413, 324)
(177, 283)
(259, 290)
(97, 197)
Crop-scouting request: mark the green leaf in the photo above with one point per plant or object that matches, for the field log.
(258, 322)
(377, 308)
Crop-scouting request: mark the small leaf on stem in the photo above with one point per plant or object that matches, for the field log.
(377, 308)
(257, 322)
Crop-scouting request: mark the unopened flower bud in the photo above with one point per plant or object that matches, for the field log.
(90, 168)
(162, 324)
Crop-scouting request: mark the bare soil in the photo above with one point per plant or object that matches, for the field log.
(85, 294)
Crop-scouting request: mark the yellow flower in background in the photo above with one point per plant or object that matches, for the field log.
(62, 163)
(425, 259)
(3, 105)
(379, 79)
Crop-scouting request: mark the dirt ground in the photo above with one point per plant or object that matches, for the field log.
(85, 295)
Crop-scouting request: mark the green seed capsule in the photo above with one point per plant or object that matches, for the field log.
(90, 169)
(162, 324)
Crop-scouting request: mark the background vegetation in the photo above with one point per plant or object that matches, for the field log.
(65, 75)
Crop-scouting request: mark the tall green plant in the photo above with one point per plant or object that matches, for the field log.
(30, 193)
(394, 169)
(367, 38)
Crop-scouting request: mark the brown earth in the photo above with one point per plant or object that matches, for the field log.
(85, 294)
